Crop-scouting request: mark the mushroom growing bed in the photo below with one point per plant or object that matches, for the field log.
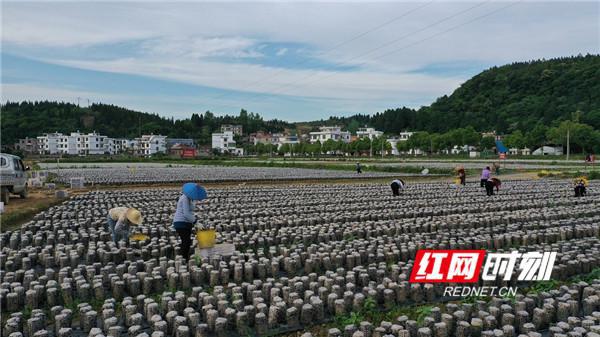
(144, 175)
(305, 256)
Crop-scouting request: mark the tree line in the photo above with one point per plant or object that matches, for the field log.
(533, 103)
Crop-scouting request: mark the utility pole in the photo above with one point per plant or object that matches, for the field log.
(78, 98)
(431, 145)
(382, 144)
(371, 147)
(568, 147)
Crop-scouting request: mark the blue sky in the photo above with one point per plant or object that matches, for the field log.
(288, 60)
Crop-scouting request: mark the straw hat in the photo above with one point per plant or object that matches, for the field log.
(134, 216)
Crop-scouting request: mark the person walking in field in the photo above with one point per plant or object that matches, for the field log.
(119, 222)
(184, 218)
(358, 168)
(485, 175)
(397, 185)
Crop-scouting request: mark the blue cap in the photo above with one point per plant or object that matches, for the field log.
(194, 191)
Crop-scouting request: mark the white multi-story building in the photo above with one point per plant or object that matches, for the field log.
(48, 143)
(122, 145)
(148, 145)
(291, 140)
(95, 144)
(370, 133)
(404, 136)
(82, 144)
(224, 143)
(330, 132)
(235, 128)
(394, 143)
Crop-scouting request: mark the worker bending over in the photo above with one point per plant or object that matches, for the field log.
(184, 218)
(120, 220)
(462, 175)
(492, 183)
(580, 188)
(397, 185)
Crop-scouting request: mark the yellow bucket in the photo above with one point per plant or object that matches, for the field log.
(206, 238)
(139, 237)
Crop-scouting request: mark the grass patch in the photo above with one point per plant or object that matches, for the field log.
(12, 219)
(591, 175)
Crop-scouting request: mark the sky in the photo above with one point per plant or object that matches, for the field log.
(295, 61)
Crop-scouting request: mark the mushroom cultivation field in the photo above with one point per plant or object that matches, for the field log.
(144, 175)
(329, 260)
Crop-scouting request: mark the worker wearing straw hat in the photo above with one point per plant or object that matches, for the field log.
(184, 218)
(580, 184)
(119, 221)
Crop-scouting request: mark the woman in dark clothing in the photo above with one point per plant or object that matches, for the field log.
(462, 175)
(490, 184)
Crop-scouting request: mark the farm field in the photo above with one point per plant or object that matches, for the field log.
(323, 259)
(204, 173)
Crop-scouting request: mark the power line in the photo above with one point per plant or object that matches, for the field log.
(334, 72)
(386, 44)
(262, 80)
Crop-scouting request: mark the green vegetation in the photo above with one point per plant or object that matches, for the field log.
(31, 119)
(591, 276)
(544, 286)
(533, 103)
(590, 175)
(519, 96)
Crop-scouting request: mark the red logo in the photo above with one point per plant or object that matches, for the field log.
(452, 266)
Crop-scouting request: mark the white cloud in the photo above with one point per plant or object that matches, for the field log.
(25, 92)
(311, 83)
(281, 51)
(176, 38)
(198, 47)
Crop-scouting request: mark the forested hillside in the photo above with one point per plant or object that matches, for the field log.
(512, 97)
(526, 97)
(30, 119)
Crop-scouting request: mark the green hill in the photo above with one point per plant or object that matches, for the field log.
(512, 97)
(524, 96)
(520, 95)
(30, 119)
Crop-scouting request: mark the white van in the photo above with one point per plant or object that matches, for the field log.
(13, 177)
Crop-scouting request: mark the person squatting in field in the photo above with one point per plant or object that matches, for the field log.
(492, 183)
(397, 185)
(580, 190)
(184, 218)
(119, 222)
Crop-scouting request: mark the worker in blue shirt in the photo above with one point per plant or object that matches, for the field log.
(184, 218)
